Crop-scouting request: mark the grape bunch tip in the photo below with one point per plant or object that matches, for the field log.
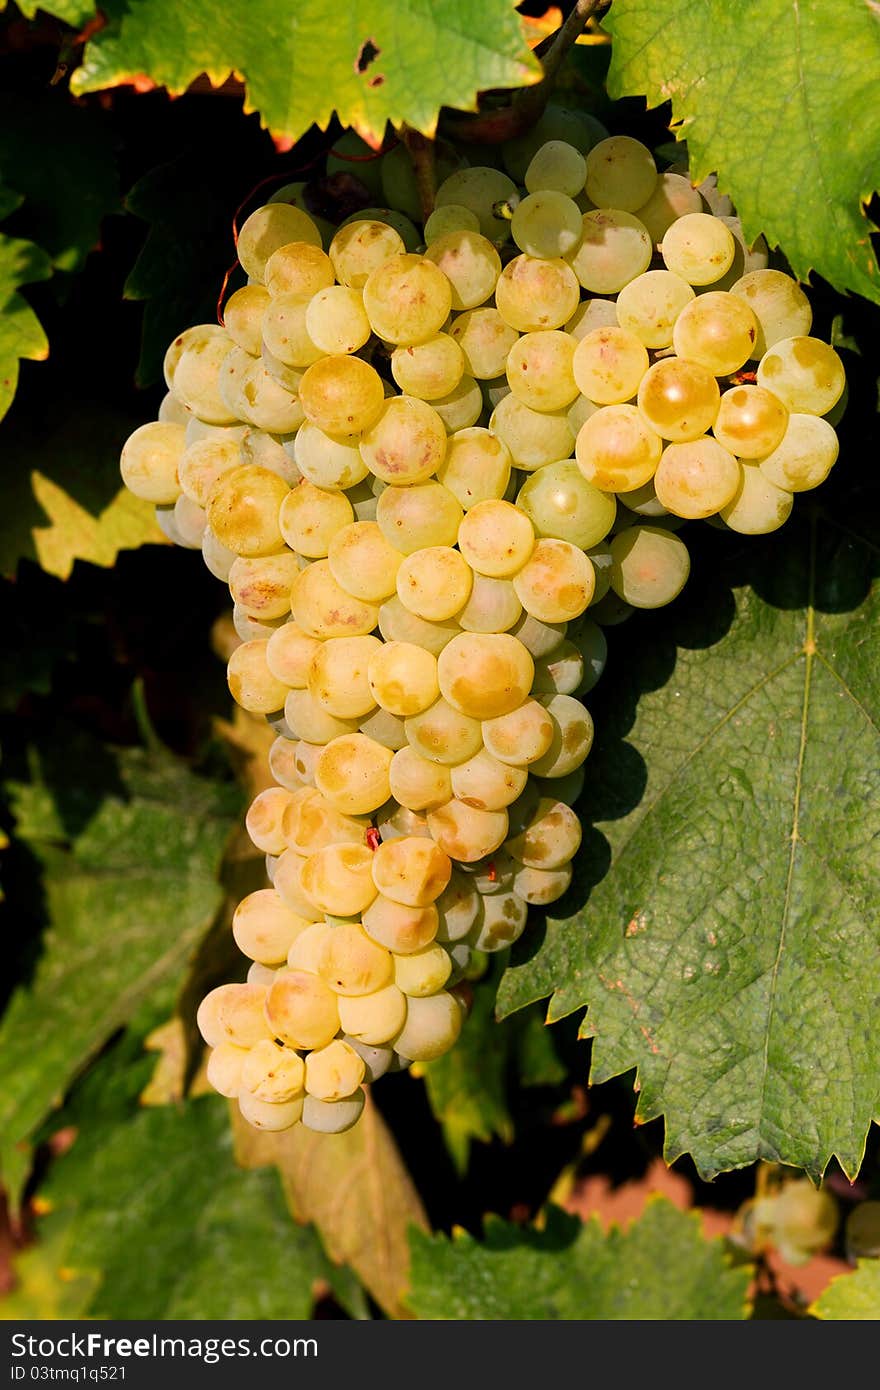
(432, 464)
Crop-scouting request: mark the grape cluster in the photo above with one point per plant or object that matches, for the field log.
(431, 466)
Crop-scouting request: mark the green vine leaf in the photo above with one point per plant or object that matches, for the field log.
(21, 334)
(377, 63)
(127, 849)
(65, 499)
(62, 158)
(73, 12)
(729, 946)
(794, 137)
(569, 1271)
(164, 1181)
(851, 1297)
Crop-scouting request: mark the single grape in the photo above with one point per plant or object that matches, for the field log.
(717, 330)
(532, 294)
(151, 458)
(360, 247)
(617, 451)
(407, 299)
(267, 229)
(406, 443)
(539, 369)
(470, 263)
(309, 518)
(621, 173)
(533, 438)
(678, 399)
(546, 224)
(484, 339)
(806, 374)
(696, 479)
(698, 247)
(759, 505)
(478, 189)
(609, 364)
(429, 370)
(804, 456)
(778, 303)
(557, 166)
(650, 566)
(614, 247)
(751, 421)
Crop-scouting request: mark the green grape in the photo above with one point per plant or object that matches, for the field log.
(333, 1073)
(282, 763)
(332, 1117)
(453, 217)
(462, 407)
(339, 881)
(806, 374)
(561, 504)
(476, 467)
(412, 518)
(600, 558)
(285, 333)
(546, 224)
(251, 682)
(557, 123)
(363, 562)
(406, 230)
(360, 247)
(366, 165)
(609, 364)
(301, 1010)
(484, 675)
(539, 637)
(551, 838)
(173, 411)
(501, 921)
(385, 728)
(434, 583)
(399, 186)
(673, 197)
(539, 370)
(266, 403)
(310, 722)
(289, 655)
(746, 258)
(557, 582)
(351, 962)
(374, 1018)
(679, 399)
(403, 678)
(613, 249)
(428, 370)
(197, 378)
(557, 166)
(411, 870)
(621, 173)
(243, 315)
(717, 330)
(261, 585)
(478, 189)
(421, 974)
(322, 608)
(432, 1027)
(337, 676)
(233, 1014)
(496, 538)
(150, 462)
(272, 226)
(310, 822)
(267, 450)
(189, 520)
(650, 566)
(650, 304)
(294, 193)
(336, 320)
(465, 833)
(532, 294)
(328, 461)
(310, 516)
(642, 501)
(590, 314)
(540, 887)
(492, 607)
(398, 624)
(696, 479)
(273, 1073)
(778, 303)
(199, 337)
(470, 263)
(243, 508)
(484, 340)
(443, 734)
(406, 443)
(759, 505)
(224, 1067)
(561, 672)
(341, 395)
(218, 559)
(418, 783)
(571, 740)
(533, 438)
(298, 268)
(751, 421)
(265, 928)
(616, 450)
(288, 377)
(804, 456)
(578, 413)
(407, 299)
(699, 248)
(487, 784)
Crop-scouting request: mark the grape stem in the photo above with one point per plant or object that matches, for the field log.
(528, 103)
(421, 152)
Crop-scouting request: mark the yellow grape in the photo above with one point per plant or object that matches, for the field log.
(301, 1010)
